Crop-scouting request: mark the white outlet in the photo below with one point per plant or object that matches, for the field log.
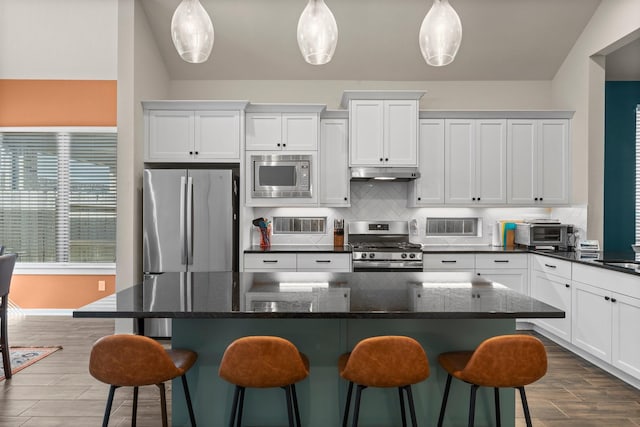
(101, 285)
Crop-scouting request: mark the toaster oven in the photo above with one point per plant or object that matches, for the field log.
(537, 235)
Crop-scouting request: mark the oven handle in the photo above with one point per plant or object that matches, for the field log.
(387, 264)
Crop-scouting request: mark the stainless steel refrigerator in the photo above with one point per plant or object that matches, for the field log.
(190, 224)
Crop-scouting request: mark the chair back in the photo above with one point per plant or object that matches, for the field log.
(1, 250)
(7, 263)
(131, 360)
(387, 361)
(262, 362)
(507, 361)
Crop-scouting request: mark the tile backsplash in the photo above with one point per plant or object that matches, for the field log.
(388, 201)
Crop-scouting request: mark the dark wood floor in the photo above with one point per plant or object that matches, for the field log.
(58, 390)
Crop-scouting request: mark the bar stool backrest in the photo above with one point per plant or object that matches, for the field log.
(507, 361)
(7, 263)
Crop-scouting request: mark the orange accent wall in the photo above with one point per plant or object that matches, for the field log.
(58, 292)
(58, 102)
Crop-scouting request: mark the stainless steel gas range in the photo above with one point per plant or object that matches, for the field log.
(383, 246)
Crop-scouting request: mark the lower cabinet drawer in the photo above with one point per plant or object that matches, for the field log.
(262, 262)
(499, 260)
(324, 262)
(442, 261)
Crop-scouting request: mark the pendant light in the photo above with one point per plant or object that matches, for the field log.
(192, 31)
(317, 33)
(440, 34)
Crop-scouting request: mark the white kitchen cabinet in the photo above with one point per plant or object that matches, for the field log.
(510, 270)
(475, 161)
(281, 131)
(193, 131)
(551, 284)
(334, 181)
(606, 311)
(323, 262)
(268, 262)
(290, 261)
(429, 188)
(383, 132)
(449, 262)
(538, 161)
(591, 320)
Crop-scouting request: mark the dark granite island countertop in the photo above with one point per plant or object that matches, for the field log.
(426, 295)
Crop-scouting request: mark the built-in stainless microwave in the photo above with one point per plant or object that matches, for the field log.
(281, 175)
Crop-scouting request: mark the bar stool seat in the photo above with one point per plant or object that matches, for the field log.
(134, 360)
(384, 361)
(263, 362)
(502, 361)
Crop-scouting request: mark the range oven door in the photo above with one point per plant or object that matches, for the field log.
(387, 266)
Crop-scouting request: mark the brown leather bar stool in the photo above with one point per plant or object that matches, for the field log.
(502, 361)
(124, 360)
(385, 361)
(263, 362)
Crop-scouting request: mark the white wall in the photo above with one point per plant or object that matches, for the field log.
(71, 39)
(579, 85)
(467, 95)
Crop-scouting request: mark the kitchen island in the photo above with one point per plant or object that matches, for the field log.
(325, 315)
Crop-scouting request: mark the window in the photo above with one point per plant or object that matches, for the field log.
(58, 195)
(440, 227)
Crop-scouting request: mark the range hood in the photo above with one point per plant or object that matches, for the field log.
(384, 174)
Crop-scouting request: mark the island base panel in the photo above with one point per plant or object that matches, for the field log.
(322, 395)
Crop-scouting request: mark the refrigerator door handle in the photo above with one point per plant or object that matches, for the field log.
(190, 220)
(183, 249)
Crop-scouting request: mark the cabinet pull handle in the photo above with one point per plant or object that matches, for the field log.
(448, 261)
(324, 261)
(501, 260)
(270, 261)
(550, 266)
(566, 285)
(607, 298)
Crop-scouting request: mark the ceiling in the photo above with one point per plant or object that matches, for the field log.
(378, 40)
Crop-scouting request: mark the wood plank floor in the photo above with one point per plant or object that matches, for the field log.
(58, 390)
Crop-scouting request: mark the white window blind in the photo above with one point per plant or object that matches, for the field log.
(638, 174)
(58, 196)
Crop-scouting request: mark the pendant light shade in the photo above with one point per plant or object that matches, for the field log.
(440, 34)
(317, 33)
(192, 31)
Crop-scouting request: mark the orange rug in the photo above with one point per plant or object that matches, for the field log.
(21, 357)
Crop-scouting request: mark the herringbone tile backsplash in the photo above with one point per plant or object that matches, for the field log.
(388, 201)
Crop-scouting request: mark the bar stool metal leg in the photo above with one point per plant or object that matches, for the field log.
(444, 400)
(287, 391)
(296, 410)
(402, 410)
(472, 405)
(496, 398)
(234, 407)
(187, 397)
(163, 404)
(107, 411)
(356, 411)
(240, 406)
(347, 405)
(525, 406)
(412, 409)
(134, 411)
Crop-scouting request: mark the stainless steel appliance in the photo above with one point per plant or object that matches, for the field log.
(385, 174)
(190, 224)
(383, 246)
(548, 234)
(281, 175)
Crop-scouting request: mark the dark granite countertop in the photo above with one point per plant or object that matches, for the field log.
(444, 295)
(298, 248)
(597, 259)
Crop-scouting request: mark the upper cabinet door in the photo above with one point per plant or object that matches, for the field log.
(334, 185)
(263, 131)
(299, 132)
(491, 161)
(400, 133)
(553, 158)
(217, 135)
(522, 164)
(170, 135)
(366, 133)
(460, 162)
(429, 188)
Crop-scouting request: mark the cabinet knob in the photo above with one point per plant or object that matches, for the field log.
(613, 300)
(284, 145)
(478, 274)
(473, 198)
(566, 285)
(478, 198)
(386, 160)
(419, 198)
(540, 198)
(607, 298)
(278, 144)
(381, 159)
(535, 198)
(345, 199)
(196, 153)
(190, 153)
